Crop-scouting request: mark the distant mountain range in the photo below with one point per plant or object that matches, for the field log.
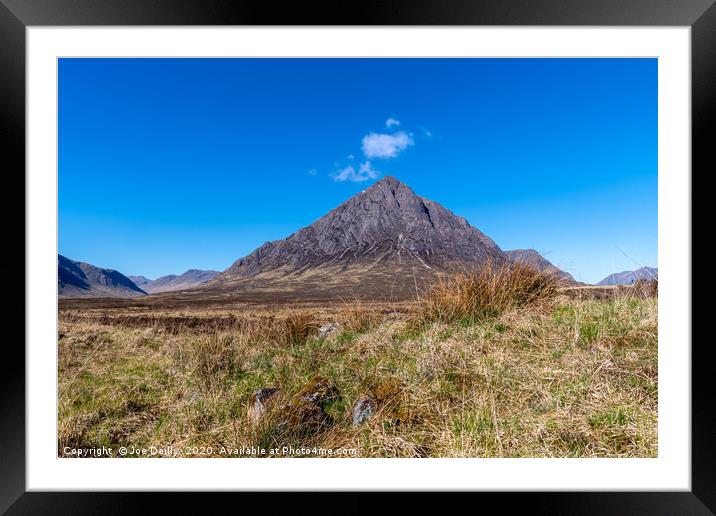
(139, 280)
(79, 279)
(631, 277)
(189, 279)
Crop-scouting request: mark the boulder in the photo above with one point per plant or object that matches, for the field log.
(328, 329)
(258, 402)
(363, 409)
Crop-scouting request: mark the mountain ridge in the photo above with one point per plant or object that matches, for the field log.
(630, 277)
(81, 279)
(139, 280)
(187, 280)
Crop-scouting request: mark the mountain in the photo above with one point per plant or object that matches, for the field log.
(139, 280)
(189, 279)
(79, 279)
(630, 277)
(386, 240)
(539, 262)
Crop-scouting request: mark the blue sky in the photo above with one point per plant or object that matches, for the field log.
(171, 164)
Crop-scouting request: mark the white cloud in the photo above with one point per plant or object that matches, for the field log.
(312, 172)
(351, 157)
(349, 173)
(377, 145)
(392, 122)
(344, 174)
(368, 171)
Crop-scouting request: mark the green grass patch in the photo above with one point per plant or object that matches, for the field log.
(618, 416)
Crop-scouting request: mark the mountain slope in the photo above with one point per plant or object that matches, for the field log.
(539, 262)
(384, 241)
(139, 280)
(79, 279)
(630, 277)
(189, 279)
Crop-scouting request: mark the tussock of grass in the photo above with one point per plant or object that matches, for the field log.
(485, 292)
(356, 317)
(297, 328)
(214, 357)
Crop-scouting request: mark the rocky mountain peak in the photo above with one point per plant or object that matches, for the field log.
(386, 223)
(388, 189)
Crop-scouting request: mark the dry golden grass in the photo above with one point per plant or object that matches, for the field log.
(522, 373)
(356, 317)
(296, 328)
(485, 292)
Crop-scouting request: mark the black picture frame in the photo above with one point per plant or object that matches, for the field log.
(17, 15)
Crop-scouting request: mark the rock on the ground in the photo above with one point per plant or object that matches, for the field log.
(327, 329)
(258, 402)
(363, 409)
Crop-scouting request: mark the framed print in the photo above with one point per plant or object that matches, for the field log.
(418, 249)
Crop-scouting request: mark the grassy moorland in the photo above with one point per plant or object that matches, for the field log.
(496, 364)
